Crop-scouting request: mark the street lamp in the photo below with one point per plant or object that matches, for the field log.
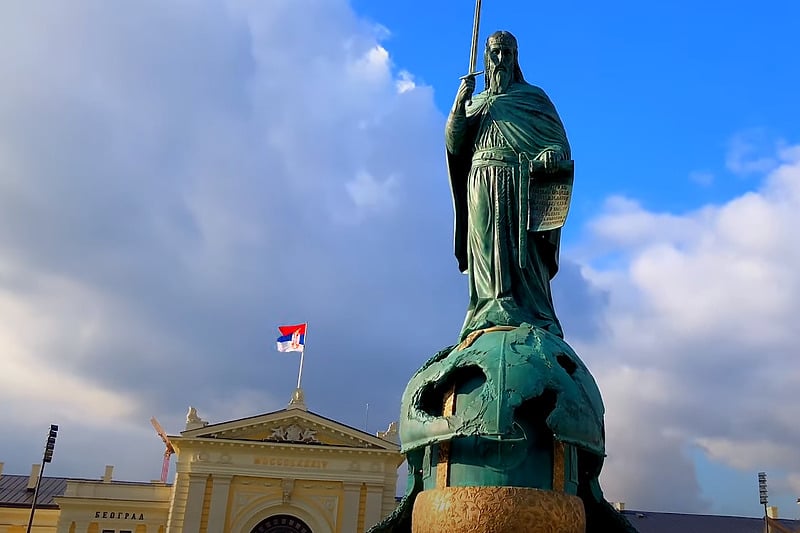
(47, 458)
(762, 496)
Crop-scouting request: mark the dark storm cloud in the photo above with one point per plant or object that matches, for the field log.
(174, 187)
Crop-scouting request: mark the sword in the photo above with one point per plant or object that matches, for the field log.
(524, 207)
(473, 53)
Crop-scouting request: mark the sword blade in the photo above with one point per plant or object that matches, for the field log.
(476, 23)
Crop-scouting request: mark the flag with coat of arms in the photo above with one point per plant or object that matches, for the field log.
(292, 339)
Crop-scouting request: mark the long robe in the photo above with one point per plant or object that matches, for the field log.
(483, 148)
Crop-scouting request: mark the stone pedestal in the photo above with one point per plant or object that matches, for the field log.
(497, 510)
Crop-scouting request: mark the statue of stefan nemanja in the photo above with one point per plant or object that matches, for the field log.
(488, 144)
(504, 431)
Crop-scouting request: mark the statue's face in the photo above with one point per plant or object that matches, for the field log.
(501, 66)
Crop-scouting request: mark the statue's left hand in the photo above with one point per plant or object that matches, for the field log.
(550, 158)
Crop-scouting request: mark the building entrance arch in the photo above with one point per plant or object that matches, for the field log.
(282, 523)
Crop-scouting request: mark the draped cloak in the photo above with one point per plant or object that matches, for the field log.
(528, 123)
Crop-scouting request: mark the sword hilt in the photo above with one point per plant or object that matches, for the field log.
(471, 75)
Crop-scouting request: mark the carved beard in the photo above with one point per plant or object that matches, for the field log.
(500, 80)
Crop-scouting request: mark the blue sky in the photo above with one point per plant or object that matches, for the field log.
(686, 76)
(176, 181)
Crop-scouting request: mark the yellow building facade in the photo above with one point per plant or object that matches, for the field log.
(289, 470)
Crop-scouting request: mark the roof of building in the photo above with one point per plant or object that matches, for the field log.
(14, 491)
(257, 429)
(211, 427)
(650, 522)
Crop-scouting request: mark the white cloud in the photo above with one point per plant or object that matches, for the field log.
(746, 152)
(750, 455)
(372, 66)
(55, 316)
(171, 188)
(626, 224)
(405, 82)
(794, 483)
(701, 337)
(371, 194)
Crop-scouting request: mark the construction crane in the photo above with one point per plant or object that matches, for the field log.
(167, 452)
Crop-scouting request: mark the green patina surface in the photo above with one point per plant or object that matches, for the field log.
(489, 142)
(515, 390)
(506, 369)
(521, 391)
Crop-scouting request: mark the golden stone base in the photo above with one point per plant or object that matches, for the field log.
(497, 510)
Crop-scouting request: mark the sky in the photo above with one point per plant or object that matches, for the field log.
(179, 178)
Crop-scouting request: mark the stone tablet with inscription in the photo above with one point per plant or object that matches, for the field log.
(549, 195)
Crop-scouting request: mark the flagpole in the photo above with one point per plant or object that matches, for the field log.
(302, 353)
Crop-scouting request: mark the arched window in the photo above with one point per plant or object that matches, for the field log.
(282, 523)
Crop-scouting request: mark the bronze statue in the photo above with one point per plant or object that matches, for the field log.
(504, 431)
(490, 144)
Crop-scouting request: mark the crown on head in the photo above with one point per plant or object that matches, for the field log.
(503, 38)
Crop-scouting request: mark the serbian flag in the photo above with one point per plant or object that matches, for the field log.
(292, 339)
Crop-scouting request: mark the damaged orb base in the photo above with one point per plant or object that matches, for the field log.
(515, 408)
(512, 413)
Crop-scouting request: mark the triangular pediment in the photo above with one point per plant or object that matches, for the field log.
(291, 426)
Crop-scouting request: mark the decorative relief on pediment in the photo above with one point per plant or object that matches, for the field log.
(296, 430)
(293, 433)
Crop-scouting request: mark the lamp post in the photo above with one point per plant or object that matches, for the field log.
(762, 497)
(46, 458)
